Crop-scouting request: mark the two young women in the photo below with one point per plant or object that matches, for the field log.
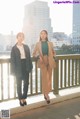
(21, 64)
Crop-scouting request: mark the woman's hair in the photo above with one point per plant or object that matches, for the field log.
(46, 34)
(20, 33)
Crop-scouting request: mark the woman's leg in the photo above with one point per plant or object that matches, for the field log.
(19, 88)
(44, 78)
(25, 85)
(25, 77)
(46, 81)
(44, 73)
(49, 78)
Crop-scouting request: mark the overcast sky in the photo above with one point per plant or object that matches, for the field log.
(12, 14)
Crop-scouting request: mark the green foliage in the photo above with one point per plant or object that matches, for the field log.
(68, 49)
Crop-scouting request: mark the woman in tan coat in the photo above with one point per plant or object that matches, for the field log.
(44, 49)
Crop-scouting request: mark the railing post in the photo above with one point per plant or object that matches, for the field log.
(55, 82)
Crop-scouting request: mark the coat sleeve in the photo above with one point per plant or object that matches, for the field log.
(13, 65)
(29, 62)
(52, 46)
(35, 51)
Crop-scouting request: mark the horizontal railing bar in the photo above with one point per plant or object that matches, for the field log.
(59, 57)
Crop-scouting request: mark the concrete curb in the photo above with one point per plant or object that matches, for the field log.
(58, 99)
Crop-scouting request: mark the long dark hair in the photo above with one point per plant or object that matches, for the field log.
(46, 34)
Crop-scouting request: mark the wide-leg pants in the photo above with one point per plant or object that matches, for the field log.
(46, 73)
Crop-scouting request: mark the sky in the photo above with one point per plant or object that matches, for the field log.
(12, 14)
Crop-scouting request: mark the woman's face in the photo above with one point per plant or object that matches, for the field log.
(43, 35)
(20, 38)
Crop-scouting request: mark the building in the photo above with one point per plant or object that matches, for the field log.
(36, 18)
(59, 43)
(76, 24)
(7, 41)
(60, 38)
(2, 42)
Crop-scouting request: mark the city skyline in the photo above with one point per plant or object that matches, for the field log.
(12, 14)
(36, 18)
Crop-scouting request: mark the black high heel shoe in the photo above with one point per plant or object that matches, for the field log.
(47, 100)
(21, 104)
(25, 103)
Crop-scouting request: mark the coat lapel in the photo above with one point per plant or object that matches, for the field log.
(49, 49)
(40, 48)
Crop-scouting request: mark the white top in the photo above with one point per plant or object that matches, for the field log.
(22, 52)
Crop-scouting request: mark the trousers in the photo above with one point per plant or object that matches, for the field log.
(22, 82)
(46, 73)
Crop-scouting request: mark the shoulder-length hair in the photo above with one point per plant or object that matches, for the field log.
(46, 34)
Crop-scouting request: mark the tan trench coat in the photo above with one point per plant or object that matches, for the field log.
(46, 71)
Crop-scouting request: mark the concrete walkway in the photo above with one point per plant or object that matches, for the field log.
(69, 109)
(66, 105)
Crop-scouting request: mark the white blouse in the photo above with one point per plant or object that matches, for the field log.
(22, 52)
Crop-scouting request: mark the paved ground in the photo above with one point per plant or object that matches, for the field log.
(69, 109)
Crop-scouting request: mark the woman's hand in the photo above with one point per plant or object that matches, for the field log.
(41, 60)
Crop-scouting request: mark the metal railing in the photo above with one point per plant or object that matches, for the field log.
(65, 75)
